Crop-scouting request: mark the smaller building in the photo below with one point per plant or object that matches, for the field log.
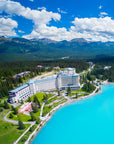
(107, 67)
(56, 68)
(19, 93)
(39, 66)
(22, 74)
(90, 63)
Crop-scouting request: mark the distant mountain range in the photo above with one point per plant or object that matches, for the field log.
(14, 49)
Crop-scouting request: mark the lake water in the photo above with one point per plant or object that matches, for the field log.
(89, 121)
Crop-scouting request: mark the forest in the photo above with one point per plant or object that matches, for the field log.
(102, 73)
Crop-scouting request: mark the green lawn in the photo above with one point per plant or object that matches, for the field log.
(40, 96)
(11, 135)
(56, 104)
(54, 98)
(38, 113)
(23, 117)
(80, 92)
(4, 127)
(46, 110)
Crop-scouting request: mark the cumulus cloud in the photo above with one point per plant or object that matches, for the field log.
(98, 29)
(38, 17)
(95, 29)
(52, 32)
(7, 27)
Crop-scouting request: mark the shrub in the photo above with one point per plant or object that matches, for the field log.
(6, 106)
(1, 110)
(10, 115)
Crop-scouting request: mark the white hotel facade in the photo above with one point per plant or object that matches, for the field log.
(60, 81)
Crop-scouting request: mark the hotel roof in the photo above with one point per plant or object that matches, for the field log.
(46, 79)
(19, 88)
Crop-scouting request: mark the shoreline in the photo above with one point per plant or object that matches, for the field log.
(42, 124)
(58, 107)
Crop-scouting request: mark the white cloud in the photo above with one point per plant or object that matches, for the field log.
(31, 0)
(52, 32)
(96, 29)
(102, 14)
(7, 27)
(100, 7)
(41, 8)
(61, 11)
(20, 31)
(38, 17)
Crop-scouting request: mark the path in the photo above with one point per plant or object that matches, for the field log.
(42, 110)
(23, 133)
(13, 121)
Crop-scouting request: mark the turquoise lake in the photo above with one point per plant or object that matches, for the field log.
(89, 121)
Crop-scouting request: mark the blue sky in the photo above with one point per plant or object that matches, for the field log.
(58, 19)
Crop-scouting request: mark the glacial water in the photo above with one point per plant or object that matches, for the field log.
(89, 121)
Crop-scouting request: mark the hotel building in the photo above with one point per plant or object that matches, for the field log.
(60, 81)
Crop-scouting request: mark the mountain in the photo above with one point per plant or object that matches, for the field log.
(14, 49)
(79, 40)
(45, 40)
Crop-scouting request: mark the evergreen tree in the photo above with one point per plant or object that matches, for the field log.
(29, 99)
(37, 101)
(38, 121)
(15, 110)
(88, 87)
(22, 102)
(69, 90)
(59, 93)
(34, 108)
(76, 95)
(6, 106)
(10, 115)
(45, 98)
(21, 125)
(33, 118)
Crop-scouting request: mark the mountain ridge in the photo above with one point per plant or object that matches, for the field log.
(24, 49)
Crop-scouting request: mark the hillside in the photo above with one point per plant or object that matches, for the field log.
(22, 49)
